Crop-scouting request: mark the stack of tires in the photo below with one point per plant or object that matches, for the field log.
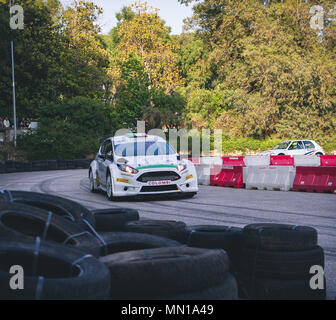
(2, 168)
(69, 252)
(49, 237)
(276, 262)
(10, 166)
(216, 237)
(146, 261)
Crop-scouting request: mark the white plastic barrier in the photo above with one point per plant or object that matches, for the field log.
(270, 177)
(307, 161)
(207, 166)
(257, 160)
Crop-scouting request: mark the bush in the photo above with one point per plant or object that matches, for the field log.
(68, 129)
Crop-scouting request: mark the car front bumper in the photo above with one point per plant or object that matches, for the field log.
(125, 185)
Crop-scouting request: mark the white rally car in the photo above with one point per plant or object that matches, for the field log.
(138, 164)
(295, 147)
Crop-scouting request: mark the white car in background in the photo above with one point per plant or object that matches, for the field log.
(294, 148)
(138, 164)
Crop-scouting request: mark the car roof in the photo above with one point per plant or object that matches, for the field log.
(288, 141)
(129, 138)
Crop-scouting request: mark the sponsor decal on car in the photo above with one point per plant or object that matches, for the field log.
(159, 183)
(189, 177)
(123, 180)
(310, 152)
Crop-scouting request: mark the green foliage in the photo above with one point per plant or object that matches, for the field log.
(134, 94)
(68, 129)
(279, 75)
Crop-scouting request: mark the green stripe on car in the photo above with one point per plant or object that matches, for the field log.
(158, 166)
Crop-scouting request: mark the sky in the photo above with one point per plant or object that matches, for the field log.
(170, 10)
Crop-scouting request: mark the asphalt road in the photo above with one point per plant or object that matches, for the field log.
(212, 205)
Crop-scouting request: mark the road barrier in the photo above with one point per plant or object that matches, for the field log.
(282, 161)
(307, 161)
(257, 161)
(315, 179)
(10, 166)
(230, 176)
(233, 161)
(205, 167)
(269, 177)
(328, 161)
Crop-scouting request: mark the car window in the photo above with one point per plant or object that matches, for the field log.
(296, 145)
(106, 147)
(148, 148)
(282, 146)
(309, 145)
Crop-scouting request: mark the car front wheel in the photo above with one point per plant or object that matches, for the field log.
(109, 187)
(93, 186)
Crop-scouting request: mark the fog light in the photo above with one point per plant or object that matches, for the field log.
(187, 185)
(126, 188)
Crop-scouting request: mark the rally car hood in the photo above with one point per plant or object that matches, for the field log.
(147, 161)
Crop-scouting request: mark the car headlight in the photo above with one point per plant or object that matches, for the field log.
(127, 168)
(181, 167)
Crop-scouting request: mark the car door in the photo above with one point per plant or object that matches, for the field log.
(309, 148)
(296, 148)
(100, 161)
(108, 150)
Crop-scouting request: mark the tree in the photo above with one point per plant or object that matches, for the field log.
(69, 129)
(146, 35)
(279, 73)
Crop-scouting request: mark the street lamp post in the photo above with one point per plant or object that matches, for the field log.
(13, 78)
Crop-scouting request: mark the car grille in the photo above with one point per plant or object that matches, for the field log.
(159, 176)
(172, 187)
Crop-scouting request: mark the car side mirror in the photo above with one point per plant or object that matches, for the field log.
(102, 156)
(178, 157)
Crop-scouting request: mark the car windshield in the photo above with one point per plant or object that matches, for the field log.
(282, 145)
(148, 148)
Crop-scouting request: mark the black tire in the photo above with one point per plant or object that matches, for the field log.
(19, 166)
(70, 164)
(114, 219)
(23, 221)
(67, 273)
(52, 165)
(216, 237)
(226, 290)
(2, 168)
(10, 166)
(270, 289)
(59, 206)
(41, 165)
(28, 167)
(280, 265)
(279, 237)
(165, 271)
(82, 163)
(168, 229)
(61, 165)
(127, 241)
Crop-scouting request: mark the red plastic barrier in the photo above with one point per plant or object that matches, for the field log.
(328, 161)
(282, 161)
(228, 177)
(233, 161)
(194, 160)
(315, 179)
